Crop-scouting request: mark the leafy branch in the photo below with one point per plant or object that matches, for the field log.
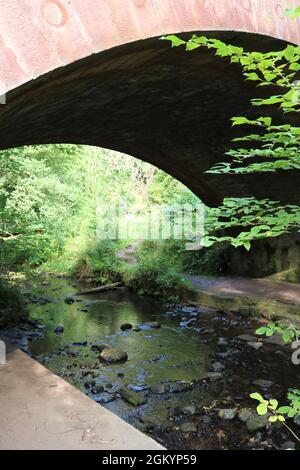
(278, 413)
(288, 334)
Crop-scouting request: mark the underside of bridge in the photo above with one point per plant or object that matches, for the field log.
(162, 105)
(94, 72)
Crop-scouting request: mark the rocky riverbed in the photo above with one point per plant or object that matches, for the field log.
(180, 373)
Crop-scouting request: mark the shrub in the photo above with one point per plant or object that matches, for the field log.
(12, 305)
(154, 274)
(99, 262)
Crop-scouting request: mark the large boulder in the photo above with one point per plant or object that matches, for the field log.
(111, 355)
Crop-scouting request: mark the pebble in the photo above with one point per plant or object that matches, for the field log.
(255, 345)
(228, 413)
(245, 414)
(214, 376)
(217, 366)
(189, 410)
(256, 423)
(262, 383)
(188, 427)
(59, 329)
(288, 445)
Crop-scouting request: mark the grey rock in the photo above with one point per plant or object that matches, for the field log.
(275, 339)
(89, 383)
(256, 423)
(247, 338)
(245, 414)
(262, 383)
(138, 388)
(189, 410)
(105, 398)
(206, 419)
(152, 324)
(182, 386)
(217, 366)
(126, 326)
(296, 420)
(73, 353)
(97, 389)
(188, 310)
(255, 345)
(159, 388)
(222, 342)
(288, 445)
(188, 427)
(214, 376)
(69, 300)
(228, 413)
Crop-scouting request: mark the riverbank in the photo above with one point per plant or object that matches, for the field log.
(189, 369)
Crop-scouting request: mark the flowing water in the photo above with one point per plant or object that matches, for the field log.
(166, 367)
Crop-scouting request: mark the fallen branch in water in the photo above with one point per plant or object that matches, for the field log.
(100, 288)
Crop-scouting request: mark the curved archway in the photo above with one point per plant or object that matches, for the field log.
(142, 98)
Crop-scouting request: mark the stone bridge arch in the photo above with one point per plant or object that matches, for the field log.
(93, 72)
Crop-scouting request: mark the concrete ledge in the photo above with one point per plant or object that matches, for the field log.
(270, 299)
(40, 411)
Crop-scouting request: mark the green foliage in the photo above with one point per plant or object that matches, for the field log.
(154, 274)
(273, 147)
(278, 144)
(288, 334)
(249, 219)
(279, 413)
(99, 262)
(12, 304)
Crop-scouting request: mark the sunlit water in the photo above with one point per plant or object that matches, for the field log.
(171, 353)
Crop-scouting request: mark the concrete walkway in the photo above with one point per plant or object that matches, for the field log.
(263, 288)
(39, 410)
(264, 295)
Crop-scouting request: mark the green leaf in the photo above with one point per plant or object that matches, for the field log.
(252, 76)
(273, 403)
(273, 419)
(284, 409)
(261, 331)
(176, 41)
(256, 396)
(262, 409)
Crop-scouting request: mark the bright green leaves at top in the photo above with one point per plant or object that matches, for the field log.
(274, 68)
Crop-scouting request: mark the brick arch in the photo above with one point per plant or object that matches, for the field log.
(37, 36)
(88, 72)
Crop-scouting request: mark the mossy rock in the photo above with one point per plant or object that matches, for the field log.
(111, 355)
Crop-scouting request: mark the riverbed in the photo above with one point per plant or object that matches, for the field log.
(185, 363)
